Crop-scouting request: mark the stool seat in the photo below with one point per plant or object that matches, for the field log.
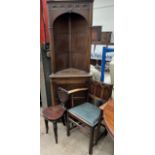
(53, 112)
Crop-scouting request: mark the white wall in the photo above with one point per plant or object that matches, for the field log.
(103, 14)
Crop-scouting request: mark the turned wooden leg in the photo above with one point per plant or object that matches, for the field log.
(68, 126)
(91, 143)
(55, 131)
(46, 125)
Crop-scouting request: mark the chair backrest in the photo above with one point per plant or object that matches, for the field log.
(99, 92)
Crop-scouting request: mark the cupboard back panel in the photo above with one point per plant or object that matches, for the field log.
(61, 42)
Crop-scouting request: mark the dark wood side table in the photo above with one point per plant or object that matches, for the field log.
(108, 116)
(53, 114)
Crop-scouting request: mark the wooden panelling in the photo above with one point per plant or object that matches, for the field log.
(96, 33)
(106, 37)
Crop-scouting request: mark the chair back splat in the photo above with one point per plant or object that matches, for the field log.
(63, 96)
(99, 92)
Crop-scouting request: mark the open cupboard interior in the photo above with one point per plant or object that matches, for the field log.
(71, 38)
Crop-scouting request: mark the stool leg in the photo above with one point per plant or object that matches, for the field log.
(65, 117)
(46, 125)
(91, 143)
(55, 131)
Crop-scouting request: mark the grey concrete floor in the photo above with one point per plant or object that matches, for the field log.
(76, 144)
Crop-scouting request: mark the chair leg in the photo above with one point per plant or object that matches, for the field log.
(106, 132)
(98, 132)
(55, 131)
(46, 125)
(68, 126)
(91, 143)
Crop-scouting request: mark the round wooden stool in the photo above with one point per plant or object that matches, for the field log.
(53, 114)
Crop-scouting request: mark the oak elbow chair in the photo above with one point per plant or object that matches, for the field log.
(87, 112)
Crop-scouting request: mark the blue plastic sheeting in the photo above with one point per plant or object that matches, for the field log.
(104, 52)
(96, 52)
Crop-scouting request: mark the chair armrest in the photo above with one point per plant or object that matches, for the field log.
(77, 90)
(64, 94)
(63, 90)
(72, 90)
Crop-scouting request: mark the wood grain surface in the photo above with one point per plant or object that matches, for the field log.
(108, 115)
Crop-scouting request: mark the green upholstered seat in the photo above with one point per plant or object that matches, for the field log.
(88, 112)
